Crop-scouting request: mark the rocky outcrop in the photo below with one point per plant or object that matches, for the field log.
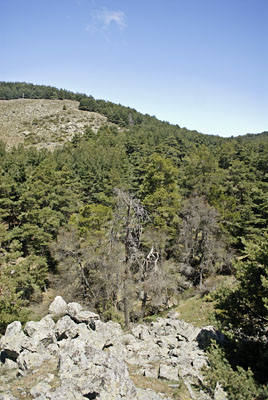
(91, 356)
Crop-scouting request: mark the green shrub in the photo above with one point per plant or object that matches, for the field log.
(239, 384)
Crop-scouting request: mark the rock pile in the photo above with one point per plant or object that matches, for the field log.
(91, 357)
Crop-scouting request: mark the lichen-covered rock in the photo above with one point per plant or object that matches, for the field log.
(7, 365)
(40, 389)
(41, 333)
(58, 306)
(28, 360)
(92, 356)
(148, 394)
(14, 341)
(73, 309)
(92, 371)
(168, 372)
(65, 328)
(7, 396)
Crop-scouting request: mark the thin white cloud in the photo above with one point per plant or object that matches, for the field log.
(107, 17)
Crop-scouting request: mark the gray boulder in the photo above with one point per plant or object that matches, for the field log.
(28, 360)
(148, 394)
(7, 396)
(41, 333)
(73, 309)
(65, 328)
(76, 312)
(168, 372)
(41, 389)
(207, 334)
(93, 371)
(14, 341)
(58, 306)
(7, 365)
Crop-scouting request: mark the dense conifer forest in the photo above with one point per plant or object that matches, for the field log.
(132, 217)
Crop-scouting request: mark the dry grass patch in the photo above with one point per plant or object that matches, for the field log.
(174, 390)
(197, 309)
(20, 387)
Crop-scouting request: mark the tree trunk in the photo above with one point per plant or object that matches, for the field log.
(126, 306)
(143, 304)
(201, 278)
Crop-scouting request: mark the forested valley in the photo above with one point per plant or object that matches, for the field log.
(131, 218)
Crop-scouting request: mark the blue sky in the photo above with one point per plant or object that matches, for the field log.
(202, 64)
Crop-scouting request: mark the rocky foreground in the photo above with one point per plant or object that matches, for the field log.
(80, 357)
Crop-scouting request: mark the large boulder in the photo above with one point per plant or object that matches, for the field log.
(76, 312)
(168, 372)
(41, 333)
(93, 371)
(14, 341)
(28, 360)
(58, 306)
(65, 328)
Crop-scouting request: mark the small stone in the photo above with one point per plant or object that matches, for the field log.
(40, 389)
(219, 393)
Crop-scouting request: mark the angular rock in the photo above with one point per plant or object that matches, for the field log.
(40, 389)
(14, 341)
(8, 365)
(148, 394)
(73, 309)
(65, 328)
(7, 396)
(168, 372)
(58, 306)
(66, 392)
(13, 329)
(76, 312)
(32, 328)
(41, 333)
(219, 393)
(28, 360)
(92, 371)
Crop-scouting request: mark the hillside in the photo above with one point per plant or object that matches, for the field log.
(132, 216)
(44, 123)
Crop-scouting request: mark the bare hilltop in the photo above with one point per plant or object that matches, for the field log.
(44, 123)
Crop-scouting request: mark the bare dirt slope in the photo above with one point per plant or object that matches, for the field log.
(44, 123)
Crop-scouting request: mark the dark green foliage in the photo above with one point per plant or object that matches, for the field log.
(239, 384)
(18, 90)
(242, 313)
(160, 193)
(199, 246)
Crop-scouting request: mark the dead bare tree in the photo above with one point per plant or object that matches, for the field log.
(130, 218)
(200, 248)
